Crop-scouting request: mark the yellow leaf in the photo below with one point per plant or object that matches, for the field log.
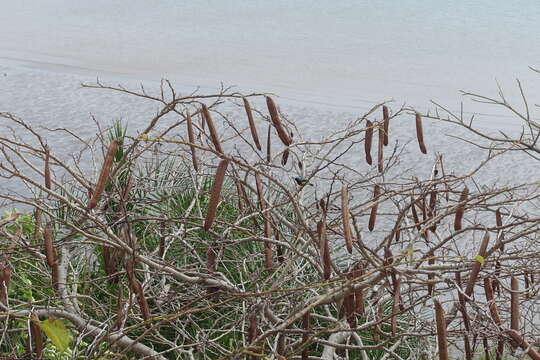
(480, 259)
(57, 332)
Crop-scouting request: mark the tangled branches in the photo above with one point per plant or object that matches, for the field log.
(191, 241)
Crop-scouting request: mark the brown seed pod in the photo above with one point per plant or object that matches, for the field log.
(441, 331)
(359, 292)
(345, 217)
(251, 122)
(104, 175)
(47, 170)
(211, 259)
(269, 144)
(268, 254)
(162, 237)
(55, 276)
(415, 216)
(461, 209)
(516, 336)
(488, 290)
(5, 279)
(420, 134)
(477, 265)
(141, 299)
(380, 152)
(106, 252)
(305, 336)
(37, 338)
(324, 249)
(120, 313)
(498, 218)
(386, 122)
(274, 116)
(432, 203)
(431, 261)
(368, 141)
(49, 248)
(211, 128)
(285, 157)
(395, 305)
(348, 310)
(191, 138)
(37, 224)
(215, 194)
(373, 214)
(514, 304)
(252, 329)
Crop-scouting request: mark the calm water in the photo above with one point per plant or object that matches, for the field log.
(346, 53)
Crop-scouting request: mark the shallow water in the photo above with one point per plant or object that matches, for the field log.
(348, 53)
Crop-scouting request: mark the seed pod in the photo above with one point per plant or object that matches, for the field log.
(47, 169)
(359, 292)
(498, 218)
(415, 216)
(461, 209)
(106, 252)
(285, 157)
(280, 254)
(441, 331)
(211, 128)
(211, 259)
(477, 265)
(55, 276)
(143, 304)
(488, 290)
(380, 153)
(305, 336)
(348, 310)
(35, 333)
(514, 304)
(49, 248)
(269, 144)
(120, 313)
(274, 115)
(431, 261)
(5, 279)
(386, 122)
(373, 214)
(37, 224)
(252, 329)
(104, 175)
(215, 194)
(395, 305)
(345, 215)
(251, 122)
(420, 134)
(368, 141)
(191, 138)
(268, 254)
(324, 250)
(516, 336)
(432, 212)
(161, 239)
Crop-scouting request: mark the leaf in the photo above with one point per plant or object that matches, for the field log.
(57, 332)
(480, 259)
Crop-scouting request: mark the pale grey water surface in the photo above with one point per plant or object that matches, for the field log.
(340, 53)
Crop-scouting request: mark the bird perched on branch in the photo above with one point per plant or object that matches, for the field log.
(302, 181)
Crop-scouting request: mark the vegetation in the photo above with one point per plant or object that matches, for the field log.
(192, 240)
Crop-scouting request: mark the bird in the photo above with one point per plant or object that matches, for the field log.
(301, 181)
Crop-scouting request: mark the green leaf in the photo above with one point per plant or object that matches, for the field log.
(480, 259)
(57, 332)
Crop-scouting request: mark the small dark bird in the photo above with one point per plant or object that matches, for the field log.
(301, 181)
